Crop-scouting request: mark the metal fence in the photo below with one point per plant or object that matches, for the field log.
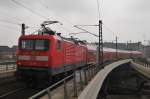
(5, 66)
(79, 79)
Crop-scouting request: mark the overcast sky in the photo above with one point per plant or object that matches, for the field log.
(127, 19)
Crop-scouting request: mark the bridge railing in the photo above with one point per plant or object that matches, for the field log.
(5, 66)
(80, 79)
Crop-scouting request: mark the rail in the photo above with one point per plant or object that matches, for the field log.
(84, 76)
(5, 66)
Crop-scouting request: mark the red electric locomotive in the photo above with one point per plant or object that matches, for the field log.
(48, 55)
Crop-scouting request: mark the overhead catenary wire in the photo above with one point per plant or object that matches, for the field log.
(10, 23)
(68, 21)
(66, 29)
(14, 23)
(100, 17)
(85, 31)
(4, 15)
(8, 27)
(29, 9)
(33, 11)
(109, 29)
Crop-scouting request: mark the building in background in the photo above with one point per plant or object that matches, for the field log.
(7, 52)
(146, 51)
(125, 46)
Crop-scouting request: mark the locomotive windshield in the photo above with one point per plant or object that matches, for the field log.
(38, 44)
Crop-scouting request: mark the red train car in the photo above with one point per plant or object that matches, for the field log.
(91, 54)
(110, 54)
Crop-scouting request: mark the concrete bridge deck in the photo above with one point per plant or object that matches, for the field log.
(92, 90)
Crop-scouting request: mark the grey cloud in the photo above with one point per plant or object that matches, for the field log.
(139, 7)
(126, 18)
(68, 6)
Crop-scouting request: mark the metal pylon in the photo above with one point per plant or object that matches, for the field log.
(100, 48)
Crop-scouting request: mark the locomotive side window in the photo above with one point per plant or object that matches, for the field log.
(27, 44)
(58, 44)
(41, 44)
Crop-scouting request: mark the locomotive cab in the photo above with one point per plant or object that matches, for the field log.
(46, 56)
(33, 57)
(33, 51)
(39, 56)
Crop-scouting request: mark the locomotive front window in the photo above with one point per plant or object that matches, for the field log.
(27, 44)
(37, 44)
(41, 44)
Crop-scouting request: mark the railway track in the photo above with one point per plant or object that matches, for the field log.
(10, 87)
(10, 92)
(17, 90)
(20, 93)
(4, 81)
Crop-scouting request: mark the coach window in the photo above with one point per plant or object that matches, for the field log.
(58, 45)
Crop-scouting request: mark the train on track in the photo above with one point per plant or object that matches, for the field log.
(47, 55)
